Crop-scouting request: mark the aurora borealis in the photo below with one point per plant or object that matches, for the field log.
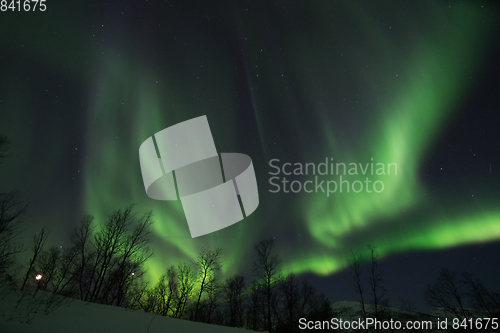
(84, 84)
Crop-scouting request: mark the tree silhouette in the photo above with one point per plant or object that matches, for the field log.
(208, 261)
(298, 299)
(186, 278)
(447, 293)
(266, 269)
(80, 240)
(37, 247)
(375, 279)
(355, 265)
(482, 298)
(234, 289)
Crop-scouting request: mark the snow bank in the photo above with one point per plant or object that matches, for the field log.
(81, 317)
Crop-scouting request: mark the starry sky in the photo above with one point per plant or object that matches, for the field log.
(84, 83)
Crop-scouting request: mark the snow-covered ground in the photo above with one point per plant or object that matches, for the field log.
(75, 316)
(28, 314)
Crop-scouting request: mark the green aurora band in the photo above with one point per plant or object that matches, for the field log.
(409, 123)
(133, 101)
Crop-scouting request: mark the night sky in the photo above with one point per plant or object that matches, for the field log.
(84, 83)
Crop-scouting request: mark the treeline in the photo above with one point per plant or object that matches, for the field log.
(270, 301)
(106, 264)
(461, 296)
(102, 266)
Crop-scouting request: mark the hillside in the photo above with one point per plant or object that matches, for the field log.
(75, 316)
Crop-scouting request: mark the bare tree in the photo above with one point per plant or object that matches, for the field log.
(357, 279)
(108, 243)
(160, 299)
(37, 247)
(173, 287)
(66, 272)
(484, 299)
(103, 266)
(80, 240)
(447, 293)
(234, 289)
(213, 291)
(132, 254)
(255, 307)
(375, 279)
(290, 291)
(208, 261)
(47, 265)
(144, 298)
(161, 293)
(267, 273)
(186, 281)
(299, 300)
(320, 308)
